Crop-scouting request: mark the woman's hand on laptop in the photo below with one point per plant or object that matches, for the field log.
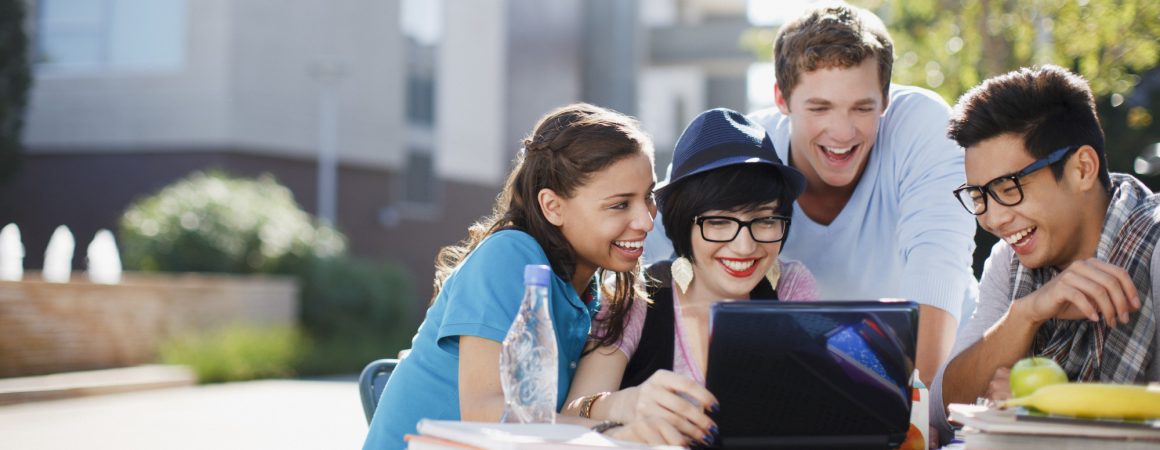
(676, 399)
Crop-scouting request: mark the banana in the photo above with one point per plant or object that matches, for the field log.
(1098, 400)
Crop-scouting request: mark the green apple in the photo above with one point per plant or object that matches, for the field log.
(1033, 373)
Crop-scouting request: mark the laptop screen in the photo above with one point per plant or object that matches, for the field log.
(812, 374)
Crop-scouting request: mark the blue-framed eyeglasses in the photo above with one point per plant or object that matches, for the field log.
(1007, 190)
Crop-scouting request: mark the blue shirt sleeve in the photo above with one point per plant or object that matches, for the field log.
(484, 293)
(935, 233)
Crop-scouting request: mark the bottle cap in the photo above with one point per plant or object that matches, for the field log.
(537, 274)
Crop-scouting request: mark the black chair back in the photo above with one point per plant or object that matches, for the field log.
(371, 382)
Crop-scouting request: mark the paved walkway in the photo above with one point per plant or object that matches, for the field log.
(274, 414)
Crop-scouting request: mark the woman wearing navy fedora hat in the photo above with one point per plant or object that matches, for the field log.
(727, 210)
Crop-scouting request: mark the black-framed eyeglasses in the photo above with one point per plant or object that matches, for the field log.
(1007, 190)
(767, 230)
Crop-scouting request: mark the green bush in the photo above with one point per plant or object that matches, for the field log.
(351, 311)
(355, 312)
(211, 222)
(347, 295)
(237, 353)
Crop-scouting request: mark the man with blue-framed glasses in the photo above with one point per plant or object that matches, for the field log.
(1076, 268)
(1006, 189)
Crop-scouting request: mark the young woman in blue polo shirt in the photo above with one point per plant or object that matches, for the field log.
(580, 200)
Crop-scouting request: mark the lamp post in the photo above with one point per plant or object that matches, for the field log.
(329, 74)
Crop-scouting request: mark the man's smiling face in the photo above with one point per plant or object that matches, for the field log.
(835, 113)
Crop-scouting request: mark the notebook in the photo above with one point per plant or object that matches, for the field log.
(981, 422)
(828, 374)
(454, 434)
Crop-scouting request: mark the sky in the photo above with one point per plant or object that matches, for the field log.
(760, 80)
(774, 12)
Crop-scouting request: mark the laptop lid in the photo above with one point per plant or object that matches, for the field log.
(812, 374)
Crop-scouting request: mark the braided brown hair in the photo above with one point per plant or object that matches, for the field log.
(565, 149)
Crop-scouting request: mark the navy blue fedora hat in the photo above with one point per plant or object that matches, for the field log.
(723, 137)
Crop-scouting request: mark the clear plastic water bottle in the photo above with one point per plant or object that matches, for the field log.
(527, 363)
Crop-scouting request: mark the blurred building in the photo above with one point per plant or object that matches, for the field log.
(396, 119)
(694, 62)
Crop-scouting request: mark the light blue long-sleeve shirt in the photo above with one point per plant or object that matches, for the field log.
(901, 234)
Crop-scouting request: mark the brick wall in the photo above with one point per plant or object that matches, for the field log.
(59, 327)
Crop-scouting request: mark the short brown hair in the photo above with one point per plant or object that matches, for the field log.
(835, 35)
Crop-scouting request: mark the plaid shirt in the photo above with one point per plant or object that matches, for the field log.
(1092, 351)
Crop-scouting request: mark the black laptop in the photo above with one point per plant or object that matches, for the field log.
(826, 374)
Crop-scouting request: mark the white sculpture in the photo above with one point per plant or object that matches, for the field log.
(11, 254)
(104, 262)
(58, 257)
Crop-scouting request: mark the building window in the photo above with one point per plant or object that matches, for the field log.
(110, 35)
(420, 99)
(419, 180)
(422, 25)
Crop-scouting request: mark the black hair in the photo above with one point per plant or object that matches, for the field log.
(737, 187)
(1049, 107)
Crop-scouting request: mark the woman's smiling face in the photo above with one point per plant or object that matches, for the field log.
(730, 270)
(608, 217)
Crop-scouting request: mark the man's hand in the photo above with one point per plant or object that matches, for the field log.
(675, 399)
(1086, 289)
(999, 389)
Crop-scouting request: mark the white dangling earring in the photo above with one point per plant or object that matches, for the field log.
(682, 271)
(774, 274)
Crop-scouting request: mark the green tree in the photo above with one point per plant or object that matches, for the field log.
(15, 81)
(950, 46)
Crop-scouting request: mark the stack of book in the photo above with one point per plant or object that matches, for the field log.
(455, 435)
(1018, 428)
